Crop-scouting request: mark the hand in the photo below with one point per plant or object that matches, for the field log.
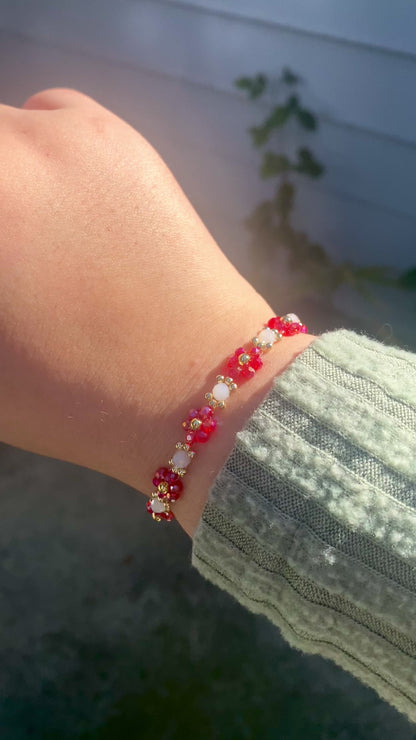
(116, 305)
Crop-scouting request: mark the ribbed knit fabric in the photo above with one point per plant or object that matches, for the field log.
(312, 519)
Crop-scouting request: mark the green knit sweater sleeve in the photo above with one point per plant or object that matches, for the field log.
(312, 519)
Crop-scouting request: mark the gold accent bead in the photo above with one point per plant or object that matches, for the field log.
(156, 518)
(196, 424)
(233, 387)
(228, 380)
(208, 395)
(163, 486)
(220, 379)
(255, 341)
(212, 403)
(179, 471)
(243, 359)
(221, 405)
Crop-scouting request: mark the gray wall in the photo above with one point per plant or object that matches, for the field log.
(169, 68)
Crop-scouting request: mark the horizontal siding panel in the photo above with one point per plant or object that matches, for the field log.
(348, 230)
(360, 87)
(370, 22)
(206, 146)
(360, 167)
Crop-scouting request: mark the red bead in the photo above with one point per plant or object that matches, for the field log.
(175, 490)
(167, 515)
(190, 437)
(208, 424)
(206, 411)
(277, 323)
(160, 476)
(201, 435)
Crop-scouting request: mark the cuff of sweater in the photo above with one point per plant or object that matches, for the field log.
(311, 520)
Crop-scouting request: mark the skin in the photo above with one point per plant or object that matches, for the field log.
(117, 307)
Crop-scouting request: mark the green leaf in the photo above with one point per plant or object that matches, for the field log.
(278, 117)
(254, 86)
(274, 164)
(407, 280)
(259, 135)
(307, 164)
(307, 119)
(292, 104)
(289, 77)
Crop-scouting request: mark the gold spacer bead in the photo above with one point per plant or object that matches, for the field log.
(255, 341)
(212, 403)
(243, 359)
(163, 486)
(208, 395)
(228, 380)
(196, 424)
(221, 405)
(269, 345)
(233, 387)
(156, 518)
(220, 378)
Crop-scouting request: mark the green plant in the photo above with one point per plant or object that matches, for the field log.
(315, 273)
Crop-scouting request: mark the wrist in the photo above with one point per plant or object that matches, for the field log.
(203, 471)
(209, 458)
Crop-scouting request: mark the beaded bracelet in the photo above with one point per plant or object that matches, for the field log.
(200, 423)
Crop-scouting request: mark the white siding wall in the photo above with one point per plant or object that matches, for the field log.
(169, 67)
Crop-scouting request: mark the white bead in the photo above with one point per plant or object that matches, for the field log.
(181, 459)
(221, 392)
(294, 319)
(267, 335)
(157, 506)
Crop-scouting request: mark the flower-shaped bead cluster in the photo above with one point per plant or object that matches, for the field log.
(287, 325)
(199, 425)
(168, 488)
(244, 363)
(168, 484)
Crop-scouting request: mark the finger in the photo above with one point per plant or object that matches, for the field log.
(58, 97)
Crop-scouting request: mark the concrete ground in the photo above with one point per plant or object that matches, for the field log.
(106, 631)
